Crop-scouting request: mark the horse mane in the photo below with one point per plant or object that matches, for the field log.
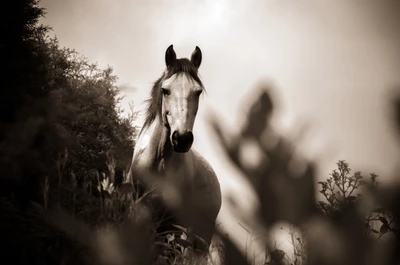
(180, 66)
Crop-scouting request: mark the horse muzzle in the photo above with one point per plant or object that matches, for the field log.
(182, 141)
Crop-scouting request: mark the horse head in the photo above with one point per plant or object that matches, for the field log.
(181, 89)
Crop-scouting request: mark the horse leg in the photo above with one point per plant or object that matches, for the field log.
(203, 232)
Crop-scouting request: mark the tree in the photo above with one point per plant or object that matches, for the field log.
(53, 102)
(27, 139)
(94, 131)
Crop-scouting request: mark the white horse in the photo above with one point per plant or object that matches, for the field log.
(163, 148)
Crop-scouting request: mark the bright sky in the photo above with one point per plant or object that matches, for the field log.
(333, 64)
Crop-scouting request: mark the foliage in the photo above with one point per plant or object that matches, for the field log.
(94, 131)
(331, 232)
(56, 106)
(339, 191)
(27, 139)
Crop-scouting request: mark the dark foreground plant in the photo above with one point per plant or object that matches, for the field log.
(337, 231)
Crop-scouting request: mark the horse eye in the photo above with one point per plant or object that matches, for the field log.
(166, 91)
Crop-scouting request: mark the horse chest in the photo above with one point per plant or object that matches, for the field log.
(179, 171)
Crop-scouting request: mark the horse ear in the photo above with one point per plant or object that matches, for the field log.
(196, 57)
(170, 56)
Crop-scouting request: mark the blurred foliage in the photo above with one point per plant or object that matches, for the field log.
(338, 230)
(271, 173)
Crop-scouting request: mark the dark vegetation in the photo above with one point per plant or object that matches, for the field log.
(65, 151)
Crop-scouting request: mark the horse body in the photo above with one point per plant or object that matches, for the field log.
(163, 148)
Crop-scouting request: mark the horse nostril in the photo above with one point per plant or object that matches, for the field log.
(182, 141)
(189, 137)
(175, 136)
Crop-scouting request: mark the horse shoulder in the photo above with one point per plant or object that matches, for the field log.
(206, 184)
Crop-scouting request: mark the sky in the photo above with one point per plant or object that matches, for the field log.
(333, 65)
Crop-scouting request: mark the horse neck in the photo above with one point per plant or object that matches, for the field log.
(154, 154)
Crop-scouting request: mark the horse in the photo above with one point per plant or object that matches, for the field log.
(163, 148)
